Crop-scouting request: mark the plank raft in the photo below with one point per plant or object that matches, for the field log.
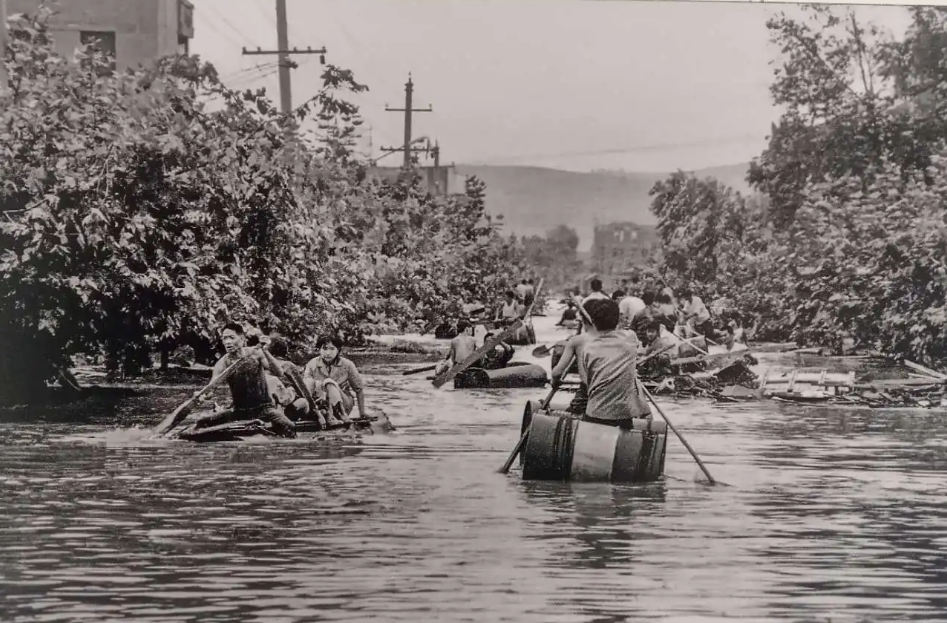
(377, 424)
(561, 447)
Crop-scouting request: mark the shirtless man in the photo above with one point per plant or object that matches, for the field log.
(461, 347)
(572, 356)
(609, 358)
(249, 389)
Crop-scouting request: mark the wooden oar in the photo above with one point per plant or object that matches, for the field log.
(181, 412)
(679, 435)
(522, 442)
(420, 370)
(477, 354)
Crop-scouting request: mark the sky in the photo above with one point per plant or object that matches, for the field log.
(568, 84)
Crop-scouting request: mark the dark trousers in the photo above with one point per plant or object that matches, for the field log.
(580, 401)
(281, 424)
(706, 329)
(627, 424)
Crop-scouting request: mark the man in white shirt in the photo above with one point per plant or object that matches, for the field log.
(696, 312)
(596, 285)
(629, 306)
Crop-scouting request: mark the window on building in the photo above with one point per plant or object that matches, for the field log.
(101, 40)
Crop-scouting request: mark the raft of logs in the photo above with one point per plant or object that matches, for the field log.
(516, 374)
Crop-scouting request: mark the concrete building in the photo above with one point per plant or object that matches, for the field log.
(619, 247)
(136, 32)
(442, 180)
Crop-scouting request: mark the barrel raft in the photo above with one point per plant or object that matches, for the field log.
(562, 447)
(515, 374)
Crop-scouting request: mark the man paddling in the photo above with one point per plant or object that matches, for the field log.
(609, 358)
(572, 356)
(249, 389)
(461, 347)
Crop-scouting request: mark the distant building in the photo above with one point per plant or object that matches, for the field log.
(440, 181)
(134, 32)
(619, 247)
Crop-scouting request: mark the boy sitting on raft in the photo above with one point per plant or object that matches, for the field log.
(609, 358)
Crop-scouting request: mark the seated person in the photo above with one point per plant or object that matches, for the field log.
(497, 357)
(461, 347)
(333, 379)
(659, 347)
(249, 389)
(570, 360)
(568, 315)
(299, 405)
(609, 358)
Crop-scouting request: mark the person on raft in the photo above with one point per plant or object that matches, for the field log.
(510, 310)
(497, 357)
(568, 314)
(298, 405)
(660, 342)
(609, 358)
(249, 389)
(571, 360)
(696, 313)
(596, 286)
(461, 347)
(333, 379)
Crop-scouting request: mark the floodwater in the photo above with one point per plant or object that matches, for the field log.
(827, 515)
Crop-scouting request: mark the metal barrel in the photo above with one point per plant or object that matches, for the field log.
(561, 447)
(515, 374)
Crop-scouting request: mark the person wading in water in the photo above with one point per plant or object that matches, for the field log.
(248, 384)
(609, 358)
(334, 378)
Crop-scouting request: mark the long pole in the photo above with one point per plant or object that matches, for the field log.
(408, 95)
(4, 79)
(282, 36)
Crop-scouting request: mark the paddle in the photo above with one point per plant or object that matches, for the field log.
(420, 370)
(679, 435)
(181, 412)
(477, 354)
(522, 442)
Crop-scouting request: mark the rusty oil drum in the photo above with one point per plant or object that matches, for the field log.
(561, 447)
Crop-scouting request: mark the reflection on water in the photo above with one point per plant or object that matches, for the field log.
(830, 514)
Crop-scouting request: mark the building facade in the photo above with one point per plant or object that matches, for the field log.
(617, 248)
(442, 180)
(134, 32)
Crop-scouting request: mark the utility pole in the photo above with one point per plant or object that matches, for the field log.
(4, 79)
(407, 110)
(283, 52)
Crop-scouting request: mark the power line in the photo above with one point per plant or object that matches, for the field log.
(620, 150)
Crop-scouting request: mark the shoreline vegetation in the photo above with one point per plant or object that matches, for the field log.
(143, 209)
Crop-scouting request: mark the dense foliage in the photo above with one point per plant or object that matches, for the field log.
(135, 219)
(845, 238)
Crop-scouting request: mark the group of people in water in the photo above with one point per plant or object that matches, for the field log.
(616, 335)
(265, 385)
(622, 336)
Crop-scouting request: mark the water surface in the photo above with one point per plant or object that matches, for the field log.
(829, 514)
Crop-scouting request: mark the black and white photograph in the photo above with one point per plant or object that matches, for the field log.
(528, 311)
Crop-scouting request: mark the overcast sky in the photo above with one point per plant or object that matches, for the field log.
(641, 86)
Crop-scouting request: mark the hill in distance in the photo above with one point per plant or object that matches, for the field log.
(533, 200)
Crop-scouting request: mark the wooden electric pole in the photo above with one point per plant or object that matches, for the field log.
(407, 110)
(283, 52)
